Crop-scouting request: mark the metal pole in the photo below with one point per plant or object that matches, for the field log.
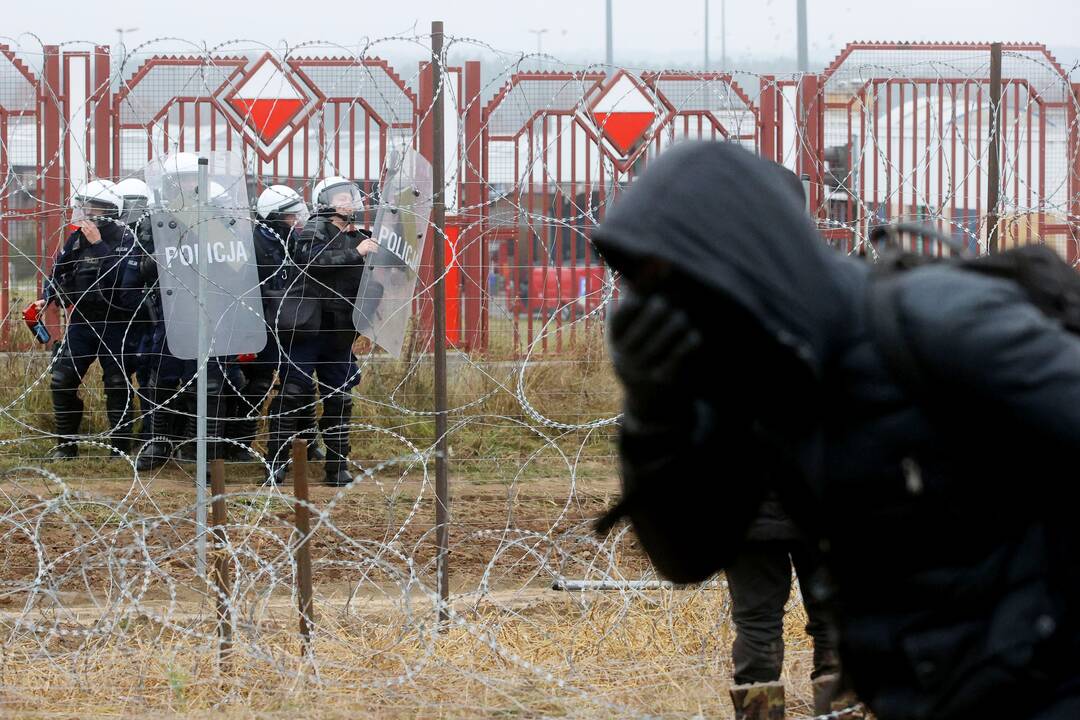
(800, 19)
(706, 66)
(622, 585)
(609, 57)
(723, 35)
(539, 40)
(202, 328)
(303, 544)
(993, 162)
(222, 576)
(442, 515)
(121, 48)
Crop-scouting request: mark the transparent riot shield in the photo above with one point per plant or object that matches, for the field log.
(185, 226)
(384, 301)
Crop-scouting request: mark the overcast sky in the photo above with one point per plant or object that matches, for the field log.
(665, 32)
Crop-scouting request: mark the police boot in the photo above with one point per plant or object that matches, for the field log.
(306, 418)
(283, 424)
(67, 409)
(242, 431)
(337, 413)
(758, 701)
(118, 401)
(188, 447)
(281, 428)
(158, 451)
(248, 412)
(189, 450)
(238, 425)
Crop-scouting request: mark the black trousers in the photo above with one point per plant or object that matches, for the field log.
(760, 584)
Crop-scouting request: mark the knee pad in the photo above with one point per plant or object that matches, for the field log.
(337, 404)
(257, 390)
(64, 377)
(294, 389)
(114, 382)
(259, 386)
(215, 385)
(235, 382)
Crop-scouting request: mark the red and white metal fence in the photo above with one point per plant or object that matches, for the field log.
(887, 130)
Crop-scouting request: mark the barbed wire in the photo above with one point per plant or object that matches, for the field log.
(101, 599)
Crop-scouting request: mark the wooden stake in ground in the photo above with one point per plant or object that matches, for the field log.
(222, 579)
(303, 545)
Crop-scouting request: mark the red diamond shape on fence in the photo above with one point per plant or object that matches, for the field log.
(267, 99)
(624, 112)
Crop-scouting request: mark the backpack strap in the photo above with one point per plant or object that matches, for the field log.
(888, 334)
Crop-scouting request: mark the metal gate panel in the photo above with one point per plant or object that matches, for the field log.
(350, 111)
(552, 165)
(22, 254)
(906, 134)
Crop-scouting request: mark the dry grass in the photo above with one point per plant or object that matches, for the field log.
(102, 614)
(546, 654)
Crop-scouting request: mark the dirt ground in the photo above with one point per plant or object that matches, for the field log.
(104, 615)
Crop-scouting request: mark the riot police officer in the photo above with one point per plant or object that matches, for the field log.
(96, 276)
(330, 254)
(281, 215)
(137, 340)
(171, 387)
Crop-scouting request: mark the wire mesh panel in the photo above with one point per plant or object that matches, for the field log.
(560, 146)
(907, 132)
(102, 601)
(21, 254)
(295, 118)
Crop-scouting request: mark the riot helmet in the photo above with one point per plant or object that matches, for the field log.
(136, 197)
(96, 201)
(339, 197)
(281, 208)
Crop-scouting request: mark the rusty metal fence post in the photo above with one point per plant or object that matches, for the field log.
(442, 515)
(810, 139)
(993, 162)
(302, 552)
(50, 93)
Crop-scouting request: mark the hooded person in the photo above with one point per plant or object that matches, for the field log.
(745, 349)
(759, 581)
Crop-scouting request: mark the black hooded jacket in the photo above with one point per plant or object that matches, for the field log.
(943, 517)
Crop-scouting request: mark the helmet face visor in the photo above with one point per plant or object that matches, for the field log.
(295, 214)
(88, 209)
(134, 208)
(180, 191)
(343, 199)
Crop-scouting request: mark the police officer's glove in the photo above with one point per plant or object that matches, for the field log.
(148, 270)
(651, 343)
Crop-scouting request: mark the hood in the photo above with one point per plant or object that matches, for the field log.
(733, 224)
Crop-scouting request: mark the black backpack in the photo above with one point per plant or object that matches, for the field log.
(1050, 283)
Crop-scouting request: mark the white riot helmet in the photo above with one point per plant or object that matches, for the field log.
(217, 193)
(280, 200)
(180, 179)
(96, 199)
(136, 196)
(282, 209)
(181, 163)
(340, 197)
